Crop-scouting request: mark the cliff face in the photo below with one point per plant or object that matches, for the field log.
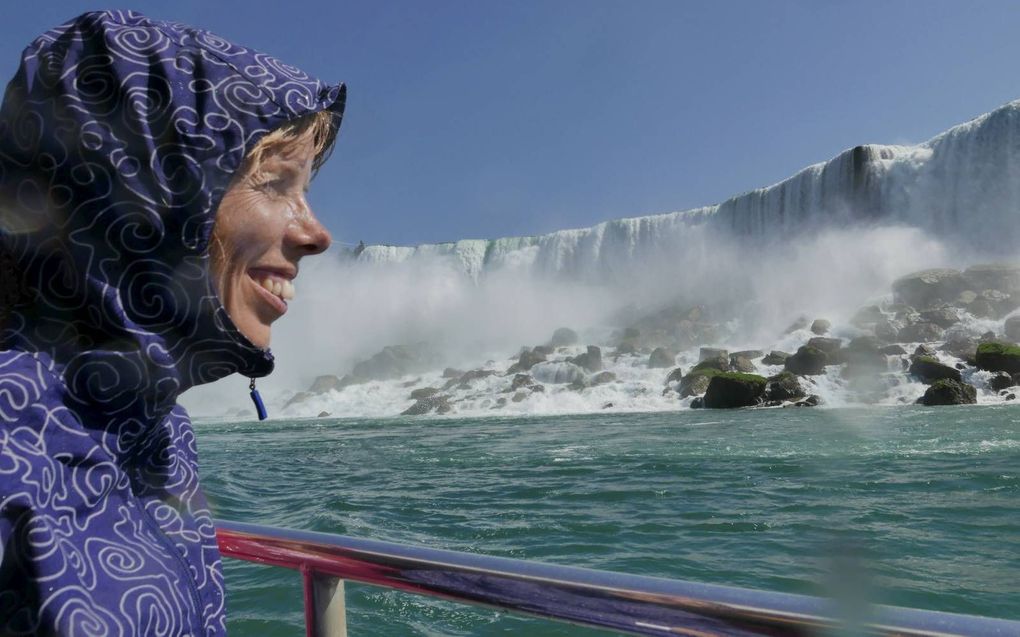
(962, 186)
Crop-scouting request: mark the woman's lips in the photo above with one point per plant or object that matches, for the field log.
(274, 288)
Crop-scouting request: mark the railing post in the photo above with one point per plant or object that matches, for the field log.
(325, 605)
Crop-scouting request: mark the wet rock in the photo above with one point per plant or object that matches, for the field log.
(527, 360)
(520, 396)
(783, 386)
(698, 403)
(775, 357)
(720, 363)
(947, 391)
(808, 361)
(893, 350)
(299, 397)
(922, 331)
(625, 348)
(1012, 328)
(450, 372)
(864, 358)
(1004, 277)
(591, 360)
(928, 369)
(706, 353)
(607, 406)
(439, 403)
(323, 414)
(960, 345)
(675, 375)
(662, 357)
(799, 324)
(329, 382)
(742, 364)
(825, 344)
(395, 361)
(1009, 396)
(602, 378)
(998, 357)
(886, 330)
(924, 350)
(820, 326)
(520, 381)
(811, 401)
(929, 288)
(749, 353)
(537, 389)
(1000, 381)
(469, 377)
(864, 344)
(423, 392)
(867, 315)
(500, 402)
(696, 382)
(562, 337)
(558, 373)
(944, 317)
(728, 390)
(988, 337)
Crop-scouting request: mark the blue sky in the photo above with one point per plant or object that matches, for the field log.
(486, 119)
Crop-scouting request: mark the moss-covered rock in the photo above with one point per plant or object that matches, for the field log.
(775, 357)
(734, 389)
(808, 361)
(928, 369)
(998, 357)
(696, 383)
(947, 391)
(720, 363)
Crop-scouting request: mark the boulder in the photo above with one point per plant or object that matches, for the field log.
(944, 317)
(775, 357)
(947, 391)
(827, 345)
(733, 389)
(562, 337)
(602, 378)
(811, 401)
(675, 375)
(820, 326)
(783, 386)
(662, 357)
(886, 330)
(749, 353)
(893, 350)
(719, 363)
(625, 348)
(864, 359)
(864, 344)
(394, 361)
(323, 414)
(741, 364)
(423, 392)
(521, 381)
(558, 373)
(450, 372)
(440, 403)
(696, 382)
(808, 361)
(1004, 277)
(922, 331)
(799, 324)
(929, 288)
(519, 396)
(591, 360)
(329, 382)
(960, 345)
(867, 315)
(1011, 328)
(528, 359)
(706, 353)
(1000, 381)
(470, 376)
(928, 370)
(698, 403)
(998, 357)
(299, 397)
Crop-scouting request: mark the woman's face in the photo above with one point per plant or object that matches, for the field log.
(263, 228)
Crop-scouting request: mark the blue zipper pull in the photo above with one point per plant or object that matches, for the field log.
(255, 398)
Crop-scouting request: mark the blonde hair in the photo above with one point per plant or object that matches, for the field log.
(321, 127)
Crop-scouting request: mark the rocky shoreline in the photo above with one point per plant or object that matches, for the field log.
(952, 331)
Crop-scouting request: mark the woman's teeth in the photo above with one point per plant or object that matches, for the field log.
(278, 287)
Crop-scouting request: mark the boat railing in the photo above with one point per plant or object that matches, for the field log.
(630, 604)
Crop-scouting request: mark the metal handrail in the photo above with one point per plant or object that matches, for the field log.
(632, 604)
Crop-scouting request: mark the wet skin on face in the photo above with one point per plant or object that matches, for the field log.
(263, 228)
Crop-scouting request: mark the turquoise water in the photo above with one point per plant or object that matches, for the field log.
(926, 499)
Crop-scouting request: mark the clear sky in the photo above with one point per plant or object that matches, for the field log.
(471, 119)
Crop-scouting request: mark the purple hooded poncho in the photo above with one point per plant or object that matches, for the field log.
(118, 137)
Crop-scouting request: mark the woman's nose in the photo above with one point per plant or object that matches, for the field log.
(309, 236)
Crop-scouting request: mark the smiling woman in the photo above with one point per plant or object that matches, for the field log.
(265, 226)
(152, 218)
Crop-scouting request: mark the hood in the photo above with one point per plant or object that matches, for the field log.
(118, 137)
